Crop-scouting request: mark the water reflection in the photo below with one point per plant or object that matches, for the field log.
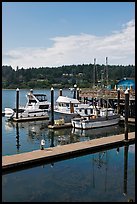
(98, 132)
(52, 139)
(94, 177)
(17, 137)
(100, 160)
(125, 168)
(32, 132)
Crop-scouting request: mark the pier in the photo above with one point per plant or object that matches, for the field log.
(52, 154)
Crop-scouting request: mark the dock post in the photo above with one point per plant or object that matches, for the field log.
(126, 114)
(60, 92)
(75, 90)
(52, 106)
(118, 100)
(80, 98)
(78, 93)
(17, 102)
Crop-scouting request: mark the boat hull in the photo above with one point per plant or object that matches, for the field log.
(24, 115)
(95, 123)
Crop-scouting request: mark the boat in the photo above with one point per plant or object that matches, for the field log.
(101, 117)
(68, 108)
(37, 107)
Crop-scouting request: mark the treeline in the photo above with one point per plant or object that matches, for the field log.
(85, 75)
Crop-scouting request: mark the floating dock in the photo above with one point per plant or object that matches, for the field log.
(31, 118)
(52, 154)
(65, 125)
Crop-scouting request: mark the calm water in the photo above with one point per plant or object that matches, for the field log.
(99, 177)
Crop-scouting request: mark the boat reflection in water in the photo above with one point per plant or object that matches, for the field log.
(29, 134)
(98, 132)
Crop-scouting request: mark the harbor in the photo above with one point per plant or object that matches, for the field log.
(68, 102)
(63, 144)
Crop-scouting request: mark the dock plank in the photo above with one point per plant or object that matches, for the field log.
(51, 153)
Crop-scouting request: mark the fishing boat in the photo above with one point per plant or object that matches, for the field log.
(68, 108)
(101, 117)
(37, 107)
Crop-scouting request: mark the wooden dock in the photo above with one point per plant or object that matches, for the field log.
(99, 93)
(52, 154)
(130, 120)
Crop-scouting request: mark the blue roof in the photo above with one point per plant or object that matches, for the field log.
(126, 83)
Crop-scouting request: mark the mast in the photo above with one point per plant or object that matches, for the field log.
(107, 70)
(107, 83)
(94, 74)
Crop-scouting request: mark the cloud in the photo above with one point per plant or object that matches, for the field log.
(119, 47)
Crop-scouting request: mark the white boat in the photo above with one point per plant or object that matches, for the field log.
(68, 108)
(36, 107)
(102, 117)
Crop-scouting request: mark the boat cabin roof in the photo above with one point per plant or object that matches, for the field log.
(65, 99)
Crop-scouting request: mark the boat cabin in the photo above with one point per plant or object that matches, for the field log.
(106, 111)
(38, 99)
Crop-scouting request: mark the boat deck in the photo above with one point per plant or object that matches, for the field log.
(49, 155)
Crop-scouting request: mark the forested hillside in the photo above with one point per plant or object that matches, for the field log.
(63, 77)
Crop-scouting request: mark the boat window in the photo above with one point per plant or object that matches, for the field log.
(91, 111)
(32, 101)
(86, 112)
(43, 106)
(41, 97)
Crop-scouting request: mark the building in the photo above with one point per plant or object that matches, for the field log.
(126, 83)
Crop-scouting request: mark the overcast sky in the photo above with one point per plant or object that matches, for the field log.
(50, 34)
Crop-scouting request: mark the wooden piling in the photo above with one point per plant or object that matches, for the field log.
(118, 100)
(17, 102)
(78, 93)
(52, 106)
(60, 92)
(126, 113)
(75, 90)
